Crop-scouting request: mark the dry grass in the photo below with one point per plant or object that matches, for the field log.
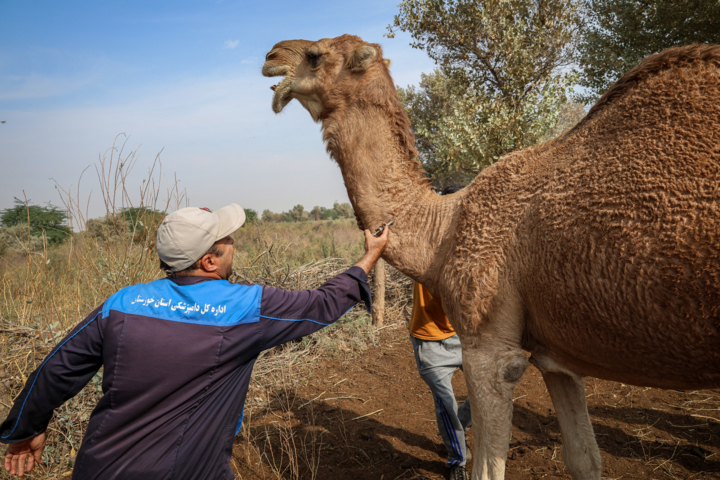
(297, 244)
(667, 431)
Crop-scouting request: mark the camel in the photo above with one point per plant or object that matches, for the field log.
(598, 252)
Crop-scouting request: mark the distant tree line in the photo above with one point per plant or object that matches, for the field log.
(299, 214)
(27, 228)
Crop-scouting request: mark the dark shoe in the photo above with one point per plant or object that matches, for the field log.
(459, 473)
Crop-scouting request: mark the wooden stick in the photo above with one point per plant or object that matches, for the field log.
(368, 414)
(309, 401)
(378, 311)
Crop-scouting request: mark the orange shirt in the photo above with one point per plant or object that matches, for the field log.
(428, 321)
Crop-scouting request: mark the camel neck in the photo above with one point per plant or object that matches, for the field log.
(385, 183)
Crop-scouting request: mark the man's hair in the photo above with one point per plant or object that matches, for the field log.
(451, 189)
(186, 272)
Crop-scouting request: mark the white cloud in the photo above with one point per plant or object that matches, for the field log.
(231, 43)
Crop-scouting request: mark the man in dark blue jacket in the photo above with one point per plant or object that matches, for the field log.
(177, 356)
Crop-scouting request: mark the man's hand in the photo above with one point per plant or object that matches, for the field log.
(374, 247)
(30, 450)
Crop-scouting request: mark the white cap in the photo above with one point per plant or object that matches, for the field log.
(187, 234)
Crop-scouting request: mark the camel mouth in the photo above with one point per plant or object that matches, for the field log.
(283, 94)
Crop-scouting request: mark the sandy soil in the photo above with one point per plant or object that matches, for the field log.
(642, 433)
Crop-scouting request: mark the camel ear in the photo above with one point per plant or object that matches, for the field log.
(387, 62)
(360, 58)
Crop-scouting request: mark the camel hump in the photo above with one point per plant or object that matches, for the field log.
(691, 56)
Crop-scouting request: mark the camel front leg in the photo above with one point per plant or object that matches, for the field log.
(492, 369)
(580, 451)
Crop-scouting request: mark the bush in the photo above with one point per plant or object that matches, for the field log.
(138, 223)
(16, 239)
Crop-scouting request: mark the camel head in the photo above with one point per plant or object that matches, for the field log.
(314, 71)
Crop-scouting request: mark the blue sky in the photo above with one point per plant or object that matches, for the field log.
(179, 77)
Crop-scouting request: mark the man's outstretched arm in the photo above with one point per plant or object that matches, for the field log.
(287, 315)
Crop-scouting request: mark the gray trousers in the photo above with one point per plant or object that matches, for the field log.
(436, 361)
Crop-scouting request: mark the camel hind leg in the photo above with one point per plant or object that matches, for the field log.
(580, 451)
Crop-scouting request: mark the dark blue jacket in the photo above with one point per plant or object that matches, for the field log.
(177, 357)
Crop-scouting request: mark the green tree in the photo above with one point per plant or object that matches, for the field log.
(317, 212)
(330, 214)
(251, 216)
(344, 210)
(297, 213)
(49, 220)
(618, 34)
(570, 115)
(268, 216)
(428, 107)
(500, 82)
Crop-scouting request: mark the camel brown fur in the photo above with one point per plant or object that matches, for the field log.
(598, 252)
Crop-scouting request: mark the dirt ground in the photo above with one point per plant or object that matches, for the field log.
(372, 417)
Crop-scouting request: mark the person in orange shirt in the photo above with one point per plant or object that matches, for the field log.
(438, 354)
